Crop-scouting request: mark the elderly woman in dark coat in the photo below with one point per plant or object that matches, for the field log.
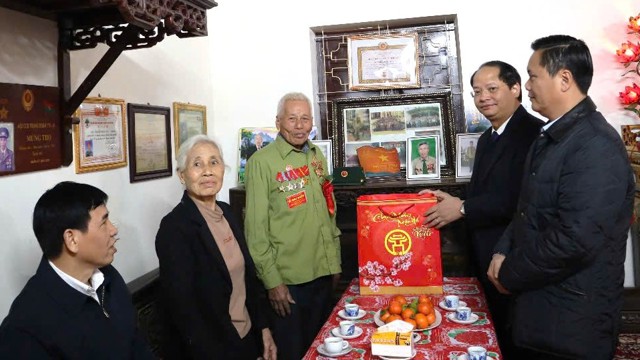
(209, 292)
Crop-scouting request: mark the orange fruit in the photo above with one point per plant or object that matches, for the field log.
(395, 308)
(407, 313)
(424, 308)
(423, 298)
(421, 321)
(431, 318)
(392, 318)
(400, 298)
(412, 322)
(384, 315)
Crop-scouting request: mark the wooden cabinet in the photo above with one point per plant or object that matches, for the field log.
(454, 244)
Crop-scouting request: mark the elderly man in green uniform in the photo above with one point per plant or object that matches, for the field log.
(291, 228)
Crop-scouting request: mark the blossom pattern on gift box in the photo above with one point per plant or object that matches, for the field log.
(374, 274)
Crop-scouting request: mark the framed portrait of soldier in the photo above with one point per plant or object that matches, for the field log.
(466, 145)
(423, 157)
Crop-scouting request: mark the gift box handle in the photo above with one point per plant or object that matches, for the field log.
(394, 214)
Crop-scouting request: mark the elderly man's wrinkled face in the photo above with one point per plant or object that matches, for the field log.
(203, 172)
(295, 123)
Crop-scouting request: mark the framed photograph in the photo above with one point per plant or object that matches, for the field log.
(423, 157)
(188, 120)
(7, 146)
(99, 138)
(387, 121)
(149, 142)
(466, 154)
(325, 147)
(252, 140)
(383, 62)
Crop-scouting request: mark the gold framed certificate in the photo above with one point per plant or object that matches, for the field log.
(383, 62)
(99, 138)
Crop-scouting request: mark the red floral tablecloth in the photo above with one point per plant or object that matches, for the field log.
(445, 342)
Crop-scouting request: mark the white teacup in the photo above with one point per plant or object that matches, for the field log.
(347, 328)
(463, 313)
(351, 310)
(334, 344)
(452, 301)
(477, 353)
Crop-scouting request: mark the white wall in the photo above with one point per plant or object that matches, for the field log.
(255, 52)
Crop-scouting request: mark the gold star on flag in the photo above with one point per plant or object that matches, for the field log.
(383, 158)
(4, 113)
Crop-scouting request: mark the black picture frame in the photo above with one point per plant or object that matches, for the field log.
(149, 142)
(342, 133)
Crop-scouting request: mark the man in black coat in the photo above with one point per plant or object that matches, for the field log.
(495, 183)
(562, 256)
(77, 305)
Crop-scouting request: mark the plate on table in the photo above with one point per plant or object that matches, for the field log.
(444, 306)
(324, 352)
(413, 354)
(361, 314)
(336, 332)
(377, 321)
(473, 318)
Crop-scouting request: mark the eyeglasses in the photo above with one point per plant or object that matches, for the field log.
(479, 91)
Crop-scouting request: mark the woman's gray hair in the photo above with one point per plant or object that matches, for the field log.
(292, 96)
(185, 148)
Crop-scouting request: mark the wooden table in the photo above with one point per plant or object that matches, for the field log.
(445, 342)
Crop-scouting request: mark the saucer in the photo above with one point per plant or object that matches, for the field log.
(472, 319)
(442, 305)
(361, 314)
(416, 337)
(466, 357)
(399, 358)
(357, 332)
(324, 352)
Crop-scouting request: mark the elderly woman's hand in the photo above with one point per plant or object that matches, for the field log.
(270, 349)
(280, 299)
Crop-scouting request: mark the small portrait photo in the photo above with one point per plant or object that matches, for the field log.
(423, 157)
(465, 154)
(325, 147)
(88, 148)
(356, 122)
(7, 159)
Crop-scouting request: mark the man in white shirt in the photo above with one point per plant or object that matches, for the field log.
(77, 305)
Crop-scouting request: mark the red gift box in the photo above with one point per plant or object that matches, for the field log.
(397, 253)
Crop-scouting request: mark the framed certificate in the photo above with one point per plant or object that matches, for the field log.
(383, 62)
(149, 142)
(188, 120)
(99, 138)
